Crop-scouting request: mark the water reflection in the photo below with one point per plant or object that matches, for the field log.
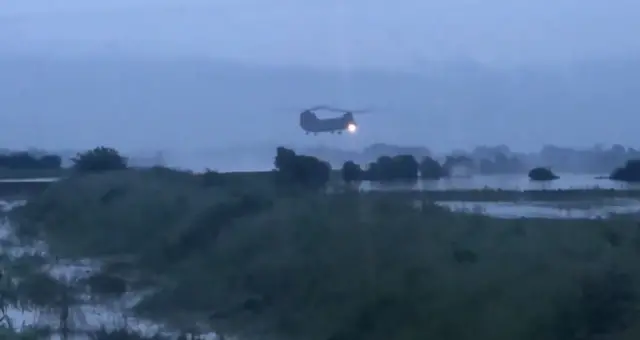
(507, 182)
(599, 209)
(87, 315)
(29, 180)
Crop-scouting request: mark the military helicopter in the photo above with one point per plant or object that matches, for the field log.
(310, 123)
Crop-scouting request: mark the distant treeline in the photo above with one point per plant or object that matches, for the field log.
(311, 171)
(27, 161)
(498, 159)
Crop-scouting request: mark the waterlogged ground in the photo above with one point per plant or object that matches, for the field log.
(510, 182)
(90, 316)
(87, 316)
(505, 182)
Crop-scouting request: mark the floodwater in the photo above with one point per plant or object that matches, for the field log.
(29, 180)
(510, 182)
(94, 316)
(555, 210)
(505, 182)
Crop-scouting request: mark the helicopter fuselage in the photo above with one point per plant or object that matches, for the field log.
(310, 123)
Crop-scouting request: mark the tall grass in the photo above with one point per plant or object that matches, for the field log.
(258, 265)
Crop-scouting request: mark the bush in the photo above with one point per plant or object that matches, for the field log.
(26, 161)
(301, 171)
(431, 169)
(99, 159)
(542, 174)
(397, 168)
(630, 172)
(351, 172)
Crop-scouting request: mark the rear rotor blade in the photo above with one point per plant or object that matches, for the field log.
(334, 109)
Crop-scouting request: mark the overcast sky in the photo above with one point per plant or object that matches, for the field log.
(333, 32)
(336, 35)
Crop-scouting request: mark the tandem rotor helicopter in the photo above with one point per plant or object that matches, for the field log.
(310, 123)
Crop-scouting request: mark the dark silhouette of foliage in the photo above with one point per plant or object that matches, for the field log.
(431, 169)
(99, 159)
(397, 168)
(630, 172)
(301, 170)
(284, 158)
(26, 161)
(542, 174)
(351, 172)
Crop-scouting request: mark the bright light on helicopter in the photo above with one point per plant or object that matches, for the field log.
(352, 128)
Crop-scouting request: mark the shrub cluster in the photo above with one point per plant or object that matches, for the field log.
(301, 170)
(27, 161)
(630, 172)
(98, 160)
(397, 168)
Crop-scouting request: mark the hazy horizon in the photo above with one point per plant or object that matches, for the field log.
(144, 74)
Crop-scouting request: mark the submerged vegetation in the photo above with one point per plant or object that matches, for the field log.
(270, 256)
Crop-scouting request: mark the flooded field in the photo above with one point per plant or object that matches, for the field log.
(86, 315)
(509, 182)
(504, 182)
(29, 180)
(582, 209)
(90, 315)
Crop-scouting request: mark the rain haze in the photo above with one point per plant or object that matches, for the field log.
(143, 74)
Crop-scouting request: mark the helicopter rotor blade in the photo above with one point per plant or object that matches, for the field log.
(327, 108)
(335, 109)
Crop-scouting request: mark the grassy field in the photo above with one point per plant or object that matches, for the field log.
(342, 266)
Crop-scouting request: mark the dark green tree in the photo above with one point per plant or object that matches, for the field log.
(431, 169)
(397, 168)
(301, 170)
(351, 172)
(405, 167)
(542, 174)
(284, 158)
(630, 172)
(99, 159)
